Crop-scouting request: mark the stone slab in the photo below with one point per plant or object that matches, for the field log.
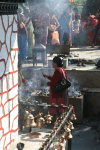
(77, 102)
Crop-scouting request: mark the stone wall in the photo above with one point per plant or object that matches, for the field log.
(90, 79)
(8, 81)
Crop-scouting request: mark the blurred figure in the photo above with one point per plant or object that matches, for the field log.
(22, 37)
(30, 29)
(65, 21)
(76, 27)
(60, 29)
(91, 27)
(82, 33)
(54, 25)
(42, 22)
(97, 28)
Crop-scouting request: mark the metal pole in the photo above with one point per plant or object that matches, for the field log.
(58, 130)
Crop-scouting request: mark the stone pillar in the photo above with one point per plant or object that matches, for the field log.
(8, 74)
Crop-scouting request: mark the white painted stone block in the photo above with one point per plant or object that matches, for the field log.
(5, 124)
(8, 107)
(13, 114)
(9, 67)
(0, 99)
(2, 143)
(3, 53)
(8, 147)
(16, 62)
(1, 111)
(2, 68)
(0, 86)
(7, 139)
(10, 19)
(14, 26)
(13, 92)
(15, 124)
(10, 81)
(8, 35)
(4, 98)
(13, 55)
(2, 32)
(14, 135)
(4, 80)
(14, 43)
(1, 133)
(5, 21)
(15, 101)
(15, 75)
(16, 18)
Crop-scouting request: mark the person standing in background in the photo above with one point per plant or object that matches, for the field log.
(30, 29)
(91, 27)
(64, 21)
(54, 25)
(97, 28)
(71, 36)
(60, 29)
(42, 22)
(76, 26)
(22, 37)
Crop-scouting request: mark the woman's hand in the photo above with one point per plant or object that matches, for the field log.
(45, 76)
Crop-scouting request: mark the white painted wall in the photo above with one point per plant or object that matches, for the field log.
(8, 81)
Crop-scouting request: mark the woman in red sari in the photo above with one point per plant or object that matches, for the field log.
(61, 97)
(91, 26)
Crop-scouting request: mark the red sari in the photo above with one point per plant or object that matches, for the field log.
(90, 35)
(61, 95)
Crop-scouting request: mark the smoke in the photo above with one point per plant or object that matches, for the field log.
(36, 81)
(74, 89)
(57, 6)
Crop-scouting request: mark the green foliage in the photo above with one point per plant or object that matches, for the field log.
(78, 4)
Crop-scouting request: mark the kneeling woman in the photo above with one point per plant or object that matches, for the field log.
(61, 97)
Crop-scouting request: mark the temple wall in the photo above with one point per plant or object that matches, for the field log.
(8, 81)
